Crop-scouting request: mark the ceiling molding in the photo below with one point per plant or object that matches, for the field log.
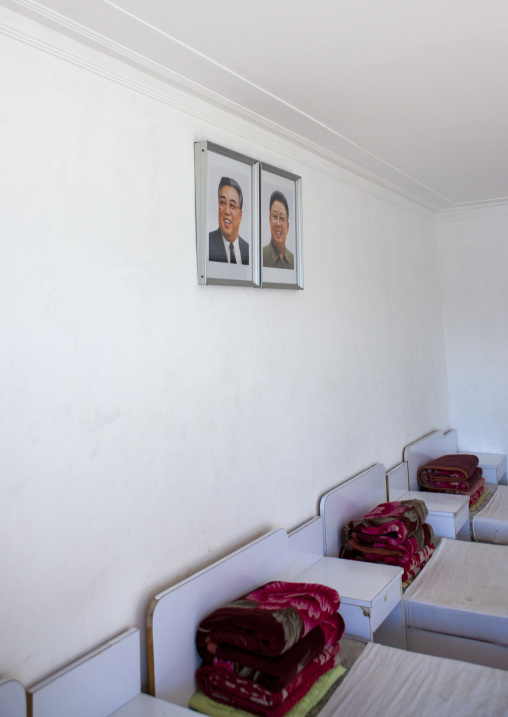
(473, 210)
(315, 156)
(390, 115)
(327, 148)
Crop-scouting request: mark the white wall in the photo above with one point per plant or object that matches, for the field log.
(473, 251)
(149, 424)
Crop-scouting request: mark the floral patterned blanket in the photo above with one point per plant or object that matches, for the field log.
(392, 533)
(242, 693)
(275, 673)
(410, 567)
(404, 551)
(457, 473)
(389, 523)
(269, 620)
(453, 471)
(263, 652)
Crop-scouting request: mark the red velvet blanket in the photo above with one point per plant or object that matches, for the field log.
(441, 482)
(477, 493)
(456, 469)
(268, 621)
(391, 523)
(411, 567)
(275, 673)
(404, 551)
(392, 533)
(229, 689)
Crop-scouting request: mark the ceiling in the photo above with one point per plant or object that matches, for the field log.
(410, 93)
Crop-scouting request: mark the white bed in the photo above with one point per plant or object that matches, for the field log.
(490, 523)
(12, 698)
(456, 607)
(395, 678)
(387, 681)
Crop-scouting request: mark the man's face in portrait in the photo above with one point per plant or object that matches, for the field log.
(279, 225)
(230, 214)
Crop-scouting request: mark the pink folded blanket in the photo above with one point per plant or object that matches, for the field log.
(472, 487)
(391, 523)
(410, 567)
(477, 494)
(404, 551)
(457, 469)
(267, 621)
(393, 534)
(229, 689)
(276, 673)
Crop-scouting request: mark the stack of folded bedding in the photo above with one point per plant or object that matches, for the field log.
(269, 650)
(392, 533)
(455, 473)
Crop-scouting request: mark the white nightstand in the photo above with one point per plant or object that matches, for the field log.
(493, 466)
(448, 513)
(370, 597)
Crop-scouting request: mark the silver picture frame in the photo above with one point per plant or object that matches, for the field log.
(227, 216)
(280, 228)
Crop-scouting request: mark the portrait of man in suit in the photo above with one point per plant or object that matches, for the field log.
(225, 244)
(275, 254)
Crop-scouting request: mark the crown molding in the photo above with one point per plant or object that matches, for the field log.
(494, 207)
(90, 51)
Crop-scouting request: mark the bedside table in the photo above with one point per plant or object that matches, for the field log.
(448, 513)
(370, 597)
(493, 466)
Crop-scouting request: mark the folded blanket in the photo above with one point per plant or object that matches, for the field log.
(423, 558)
(475, 497)
(419, 539)
(269, 620)
(325, 684)
(396, 521)
(475, 486)
(229, 689)
(275, 673)
(447, 483)
(410, 568)
(453, 468)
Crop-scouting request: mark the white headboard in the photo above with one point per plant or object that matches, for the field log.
(94, 686)
(421, 452)
(12, 699)
(306, 546)
(397, 481)
(451, 442)
(348, 501)
(174, 614)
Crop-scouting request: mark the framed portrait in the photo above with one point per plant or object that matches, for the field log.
(227, 216)
(281, 229)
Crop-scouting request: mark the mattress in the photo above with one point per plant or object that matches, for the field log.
(388, 681)
(462, 591)
(490, 524)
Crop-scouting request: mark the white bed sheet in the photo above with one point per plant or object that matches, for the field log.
(387, 681)
(462, 591)
(490, 525)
